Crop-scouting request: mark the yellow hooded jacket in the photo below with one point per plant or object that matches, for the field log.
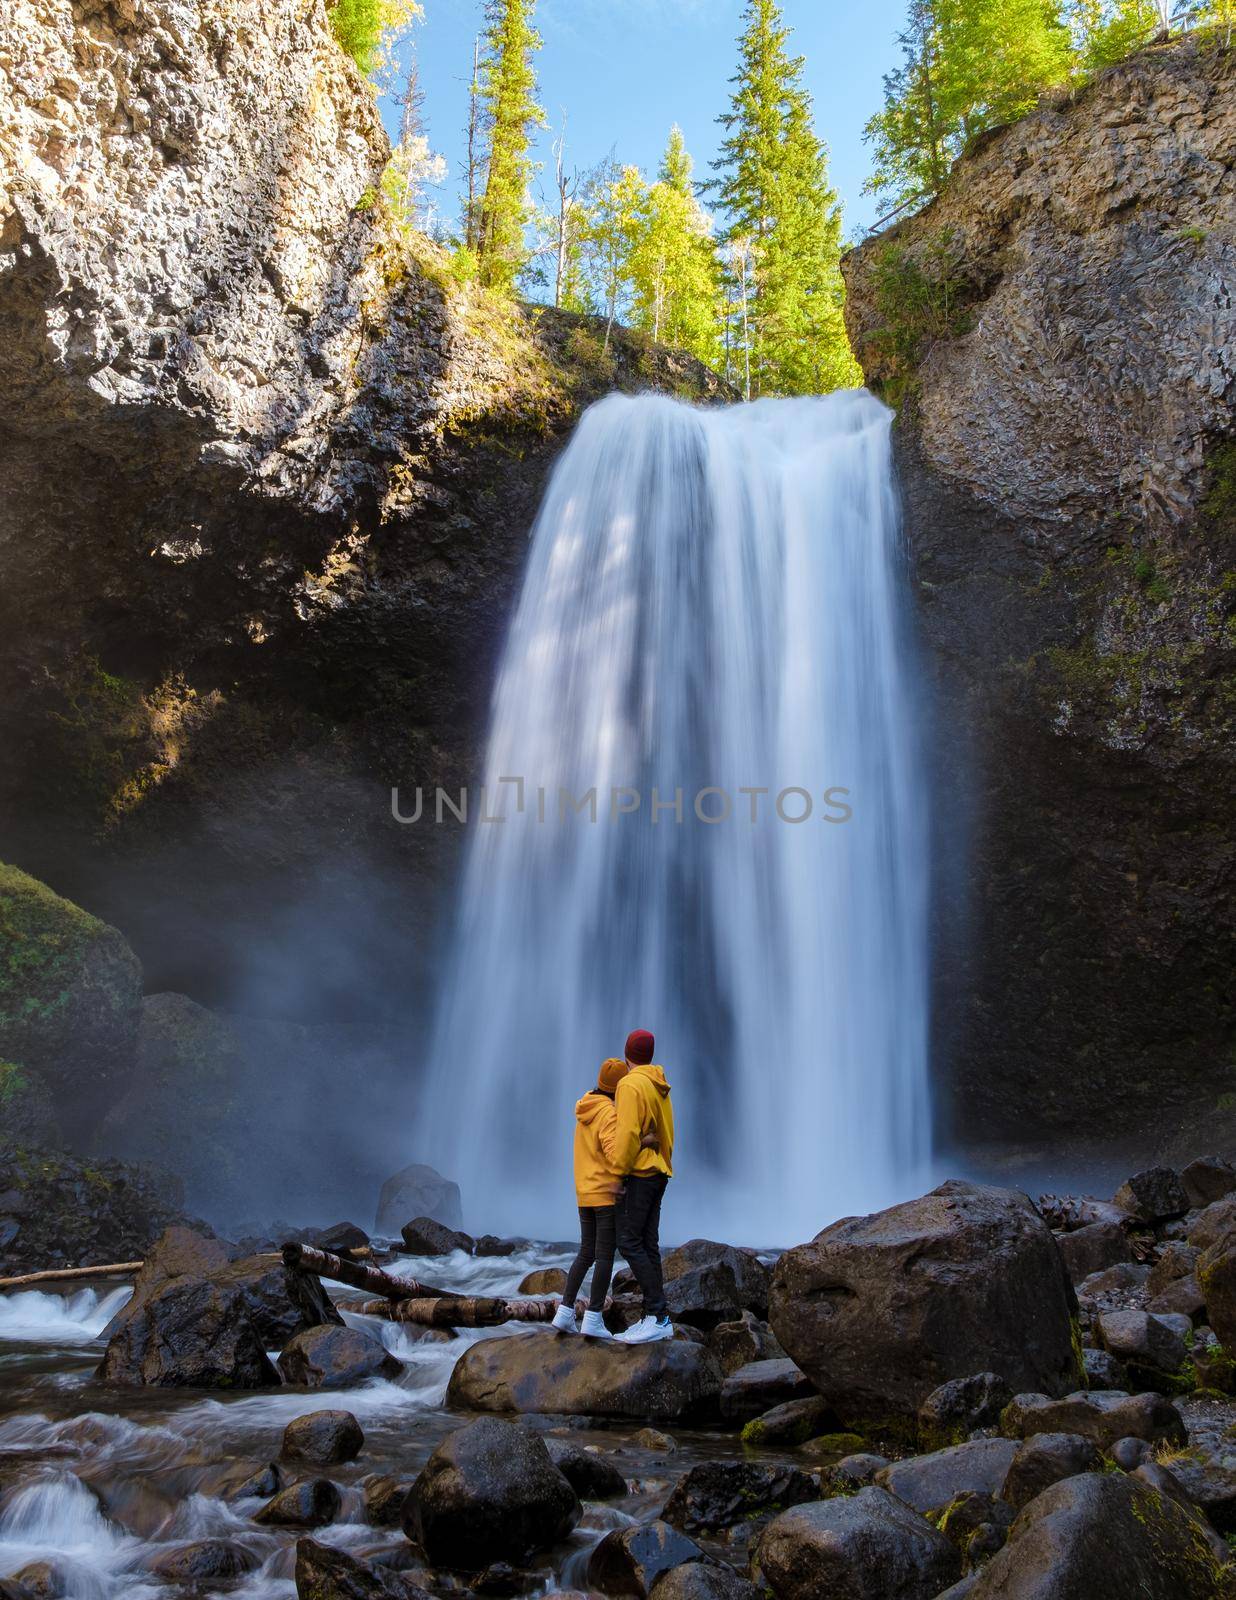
(643, 1105)
(597, 1180)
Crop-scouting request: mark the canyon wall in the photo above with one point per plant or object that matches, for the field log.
(1057, 331)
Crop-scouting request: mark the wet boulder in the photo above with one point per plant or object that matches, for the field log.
(703, 1580)
(880, 1310)
(852, 1472)
(629, 1561)
(70, 1000)
(1183, 1297)
(1208, 1179)
(1102, 1416)
(491, 1244)
(952, 1412)
(323, 1438)
(490, 1492)
(1094, 1248)
(925, 1482)
(311, 1504)
(746, 1339)
(760, 1385)
(541, 1372)
(199, 1319)
(703, 1296)
(1155, 1195)
(1216, 1277)
(543, 1280)
(793, 1422)
(335, 1358)
(977, 1524)
(1102, 1370)
(1044, 1459)
(1099, 1534)
(1214, 1224)
(189, 1332)
(865, 1546)
(384, 1499)
(1147, 1345)
(204, 1561)
(749, 1276)
(587, 1471)
(326, 1573)
(417, 1191)
(1176, 1260)
(716, 1495)
(425, 1237)
(339, 1238)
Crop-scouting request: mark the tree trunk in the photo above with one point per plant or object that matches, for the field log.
(117, 1269)
(356, 1274)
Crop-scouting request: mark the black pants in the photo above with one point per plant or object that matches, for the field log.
(638, 1238)
(596, 1245)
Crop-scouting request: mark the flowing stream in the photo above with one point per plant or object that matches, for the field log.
(713, 608)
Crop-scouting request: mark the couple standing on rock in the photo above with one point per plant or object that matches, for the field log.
(624, 1144)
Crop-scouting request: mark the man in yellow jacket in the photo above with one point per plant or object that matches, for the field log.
(643, 1108)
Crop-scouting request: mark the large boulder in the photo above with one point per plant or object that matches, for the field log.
(425, 1237)
(1216, 1222)
(926, 1482)
(746, 1339)
(199, 1319)
(323, 1438)
(1208, 1179)
(1044, 1459)
(70, 997)
(417, 1191)
(1147, 1345)
(1216, 1278)
(587, 1471)
(184, 1105)
(489, 1492)
(629, 1561)
(760, 1385)
(1155, 1195)
(750, 1276)
(1094, 1248)
(956, 1409)
(672, 1380)
(703, 1580)
(720, 1494)
(330, 1357)
(880, 1310)
(185, 1326)
(1097, 1535)
(865, 1546)
(1102, 1416)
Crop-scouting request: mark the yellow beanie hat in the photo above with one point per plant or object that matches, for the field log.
(613, 1071)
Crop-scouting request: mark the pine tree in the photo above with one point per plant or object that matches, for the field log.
(783, 229)
(508, 99)
(673, 266)
(968, 65)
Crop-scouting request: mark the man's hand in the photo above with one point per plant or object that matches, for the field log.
(650, 1142)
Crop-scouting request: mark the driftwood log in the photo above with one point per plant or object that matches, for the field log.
(356, 1274)
(459, 1311)
(116, 1269)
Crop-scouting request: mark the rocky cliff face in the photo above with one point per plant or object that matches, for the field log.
(1059, 333)
(266, 476)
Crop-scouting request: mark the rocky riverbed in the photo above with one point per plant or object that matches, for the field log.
(969, 1394)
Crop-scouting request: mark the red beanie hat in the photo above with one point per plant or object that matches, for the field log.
(640, 1046)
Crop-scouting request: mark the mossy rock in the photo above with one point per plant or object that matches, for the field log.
(70, 997)
(27, 1106)
(831, 1447)
(185, 1106)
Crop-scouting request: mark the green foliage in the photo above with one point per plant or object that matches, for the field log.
(368, 29)
(1219, 506)
(510, 112)
(784, 331)
(918, 299)
(968, 65)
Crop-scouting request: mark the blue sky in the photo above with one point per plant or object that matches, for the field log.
(624, 70)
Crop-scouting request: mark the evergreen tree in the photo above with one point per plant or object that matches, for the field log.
(673, 268)
(783, 230)
(510, 113)
(968, 65)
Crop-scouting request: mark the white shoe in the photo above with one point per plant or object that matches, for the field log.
(564, 1320)
(594, 1326)
(648, 1331)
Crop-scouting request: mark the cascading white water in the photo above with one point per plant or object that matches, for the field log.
(713, 602)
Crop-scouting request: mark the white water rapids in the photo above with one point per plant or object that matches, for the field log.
(713, 605)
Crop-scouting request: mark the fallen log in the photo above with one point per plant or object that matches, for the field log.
(115, 1269)
(356, 1274)
(459, 1311)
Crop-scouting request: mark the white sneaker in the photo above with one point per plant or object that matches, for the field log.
(564, 1320)
(594, 1326)
(648, 1331)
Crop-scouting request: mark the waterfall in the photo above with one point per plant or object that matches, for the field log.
(714, 605)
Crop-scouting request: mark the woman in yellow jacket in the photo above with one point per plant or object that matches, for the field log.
(598, 1184)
